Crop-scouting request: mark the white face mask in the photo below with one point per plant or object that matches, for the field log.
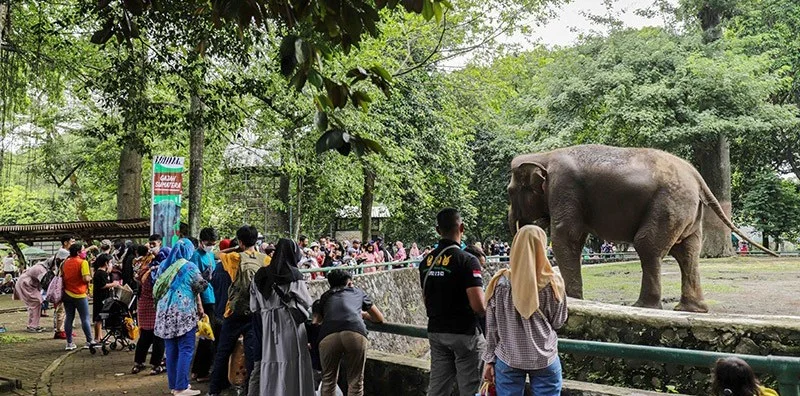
(209, 248)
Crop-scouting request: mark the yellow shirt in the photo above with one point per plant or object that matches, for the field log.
(764, 391)
(230, 263)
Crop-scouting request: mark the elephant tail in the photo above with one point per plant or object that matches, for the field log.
(709, 199)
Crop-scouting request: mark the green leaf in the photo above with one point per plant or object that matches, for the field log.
(315, 78)
(321, 121)
(361, 99)
(372, 145)
(324, 101)
(446, 3)
(380, 71)
(438, 12)
(330, 140)
(302, 51)
(287, 54)
(427, 9)
(103, 35)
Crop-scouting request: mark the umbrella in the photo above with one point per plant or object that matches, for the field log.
(34, 253)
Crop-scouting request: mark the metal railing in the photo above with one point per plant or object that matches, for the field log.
(586, 258)
(786, 369)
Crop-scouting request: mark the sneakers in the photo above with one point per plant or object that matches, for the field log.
(71, 347)
(186, 392)
(34, 329)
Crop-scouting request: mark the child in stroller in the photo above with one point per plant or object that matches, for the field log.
(117, 322)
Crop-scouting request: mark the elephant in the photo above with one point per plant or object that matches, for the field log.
(642, 196)
(165, 215)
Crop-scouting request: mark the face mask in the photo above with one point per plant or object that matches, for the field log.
(82, 255)
(208, 249)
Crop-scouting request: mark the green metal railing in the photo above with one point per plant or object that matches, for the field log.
(786, 369)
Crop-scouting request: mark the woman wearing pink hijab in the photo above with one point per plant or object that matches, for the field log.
(401, 252)
(371, 256)
(414, 252)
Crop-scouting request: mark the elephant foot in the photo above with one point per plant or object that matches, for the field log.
(692, 306)
(648, 304)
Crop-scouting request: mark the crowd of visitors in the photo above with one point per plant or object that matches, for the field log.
(292, 345)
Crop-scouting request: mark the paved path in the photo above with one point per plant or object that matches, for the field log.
(37, 358)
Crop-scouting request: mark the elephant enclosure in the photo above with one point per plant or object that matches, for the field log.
(740, 285)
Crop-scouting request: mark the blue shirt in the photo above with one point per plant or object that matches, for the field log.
(206, 264)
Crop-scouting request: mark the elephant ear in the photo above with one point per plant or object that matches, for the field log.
(532, 175)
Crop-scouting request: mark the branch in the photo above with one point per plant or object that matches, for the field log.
(434, 52)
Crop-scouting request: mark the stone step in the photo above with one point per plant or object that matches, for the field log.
(389, 374)
(577, 388)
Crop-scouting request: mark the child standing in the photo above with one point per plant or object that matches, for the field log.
(102, 289)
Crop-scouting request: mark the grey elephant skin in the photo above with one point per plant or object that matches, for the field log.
(165, 215)
(649, 198)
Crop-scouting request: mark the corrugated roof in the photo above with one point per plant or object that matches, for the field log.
(105, 229)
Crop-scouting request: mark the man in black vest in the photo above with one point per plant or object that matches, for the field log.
(452, 286)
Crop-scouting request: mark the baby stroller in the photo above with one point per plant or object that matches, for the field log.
(116, 316)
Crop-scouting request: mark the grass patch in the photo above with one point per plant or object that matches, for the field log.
(722, 279)
(6, 338)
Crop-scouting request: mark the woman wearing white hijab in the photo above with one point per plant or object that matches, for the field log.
(526, 304)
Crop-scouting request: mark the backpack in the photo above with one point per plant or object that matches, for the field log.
(239, 292)
(55, 290)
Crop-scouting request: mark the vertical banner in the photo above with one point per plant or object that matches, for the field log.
(165, 214)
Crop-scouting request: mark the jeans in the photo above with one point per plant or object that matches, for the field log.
(509, 381)
(205, 349)
(232, 328)
(455, 357)
(82, 305)
(147, 338)
(179, 359)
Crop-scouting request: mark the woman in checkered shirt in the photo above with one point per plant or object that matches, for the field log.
(525, 306)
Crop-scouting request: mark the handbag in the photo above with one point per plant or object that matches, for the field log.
(164, 280)
(131, 328)
(55, 290)
(204, 328)
(487, 389)
(299, 313)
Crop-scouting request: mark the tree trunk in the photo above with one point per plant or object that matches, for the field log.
(765, 239)
(283, 215)
(129, 183)
(714, 162)
(80, 203)
(196, 145)
(366, 203)
(3, 19)
(298, 214)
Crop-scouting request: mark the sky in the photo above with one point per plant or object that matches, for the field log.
(571, 22)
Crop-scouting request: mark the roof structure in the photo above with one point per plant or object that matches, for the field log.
(85, 230)
(379, 211)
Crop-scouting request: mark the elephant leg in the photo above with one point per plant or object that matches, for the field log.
(687, 253)
(567, 248)
(651, 250)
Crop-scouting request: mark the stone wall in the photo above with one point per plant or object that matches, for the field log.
(753, 335)
(397, 294)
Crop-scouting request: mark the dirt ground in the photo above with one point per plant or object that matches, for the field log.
(741, 285)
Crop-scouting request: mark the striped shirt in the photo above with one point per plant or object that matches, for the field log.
(530, 344)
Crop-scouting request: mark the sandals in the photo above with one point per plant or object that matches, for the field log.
(158, 370)
(137, 368)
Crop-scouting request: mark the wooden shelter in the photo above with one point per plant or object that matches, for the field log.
(82, 230)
